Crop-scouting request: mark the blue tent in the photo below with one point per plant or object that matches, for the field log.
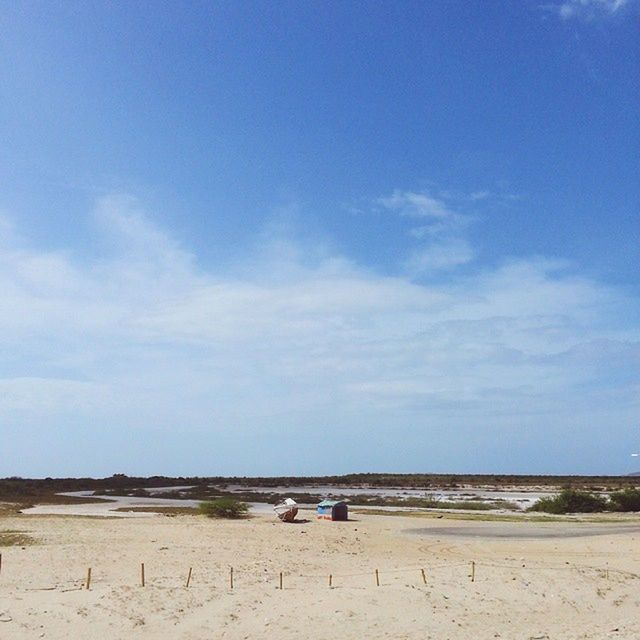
(333, 510)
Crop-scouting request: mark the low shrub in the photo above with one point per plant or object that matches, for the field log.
(625, 500)
(224, 508)
(571, 501)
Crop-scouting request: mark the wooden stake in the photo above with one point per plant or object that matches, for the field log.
(377, 579)
(231, 577)
(0, 563)
(189, 577)
(330, 580)
(473, 571)
(88, 582)
(424, 576)
(606, 573)
(142, 573)
(281, 581)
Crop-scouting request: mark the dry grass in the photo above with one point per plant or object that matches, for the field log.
(167, 511)
(12, 538)
(8, 509)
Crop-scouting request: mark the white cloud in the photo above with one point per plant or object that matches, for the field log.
(416, 205)
(480, 195)
(139, 242)
(440, 256)
(586, 9)
(148, 341)
(444, 247)
(453, 226)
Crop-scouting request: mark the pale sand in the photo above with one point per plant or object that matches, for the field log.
(524, 588)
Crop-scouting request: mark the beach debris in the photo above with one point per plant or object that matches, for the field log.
(287, 510)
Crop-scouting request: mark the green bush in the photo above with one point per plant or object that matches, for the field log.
(224, 508)
(626, 500)
(571, 501)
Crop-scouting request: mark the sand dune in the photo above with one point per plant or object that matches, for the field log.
(534, 588)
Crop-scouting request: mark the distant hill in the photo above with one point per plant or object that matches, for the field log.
(637, 473)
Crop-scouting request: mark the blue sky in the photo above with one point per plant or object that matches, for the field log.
(305, 238)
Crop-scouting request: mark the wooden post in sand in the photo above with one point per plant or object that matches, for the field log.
(231, 577)
(281, 581)
(424, 576)
(377, 579)
(189, 577)
(142, 574)
(87, 584)
(473, 571)
(330, 580)
(0, 563)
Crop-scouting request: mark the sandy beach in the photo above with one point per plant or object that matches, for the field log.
(565, 584)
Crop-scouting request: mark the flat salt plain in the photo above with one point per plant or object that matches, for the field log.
(579, 580)
(111, 504)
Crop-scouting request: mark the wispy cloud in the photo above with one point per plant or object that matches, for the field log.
(479, 195)
(147, 346)
(441, 232)
(586, 9)
(440, 256)
(416, 205)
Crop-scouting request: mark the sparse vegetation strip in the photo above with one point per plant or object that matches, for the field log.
(167, 511)
(26, 492)
(224, 508)
(29, 490)
(11, 538)
(573, 501)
